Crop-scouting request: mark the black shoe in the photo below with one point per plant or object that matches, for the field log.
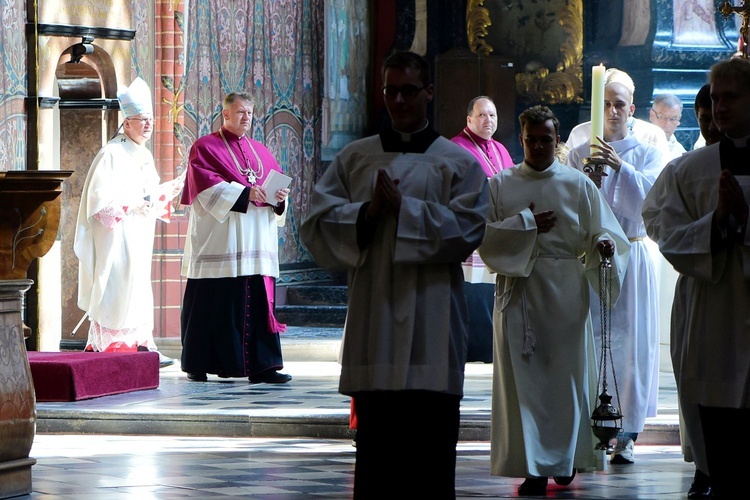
(197, 377)
(565, 480)
(533, 486)
(701, 486)
(270, 377)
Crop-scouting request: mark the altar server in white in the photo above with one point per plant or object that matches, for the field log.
(630, 169)
(544, 217)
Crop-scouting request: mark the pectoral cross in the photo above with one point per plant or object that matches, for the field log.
(743, 10)
(251, 177)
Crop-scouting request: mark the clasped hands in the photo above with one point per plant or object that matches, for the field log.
(731, 201)
(386, 197)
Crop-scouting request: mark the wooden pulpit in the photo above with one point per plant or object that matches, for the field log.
(29, 219)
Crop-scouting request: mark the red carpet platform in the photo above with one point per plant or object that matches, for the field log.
(73, 376)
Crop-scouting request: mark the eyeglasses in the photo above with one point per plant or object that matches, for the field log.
(670, 119)
(407, 91)
(142, 120)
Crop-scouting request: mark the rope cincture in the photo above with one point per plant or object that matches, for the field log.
(529, 339)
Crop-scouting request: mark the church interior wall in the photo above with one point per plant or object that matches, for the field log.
(314, 67)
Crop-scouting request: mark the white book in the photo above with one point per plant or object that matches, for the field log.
(275, 181)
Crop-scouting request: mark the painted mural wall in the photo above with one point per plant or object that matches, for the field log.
(12, 85)
(273, 49)
(192, 53)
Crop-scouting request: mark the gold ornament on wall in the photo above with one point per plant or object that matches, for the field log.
(565, 84)
(477, 22)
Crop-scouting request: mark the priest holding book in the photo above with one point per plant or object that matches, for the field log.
(228, 327)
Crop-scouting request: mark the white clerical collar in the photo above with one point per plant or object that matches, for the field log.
(406, 136)
(740, 142)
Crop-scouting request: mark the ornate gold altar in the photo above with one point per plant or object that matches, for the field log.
(29, 219)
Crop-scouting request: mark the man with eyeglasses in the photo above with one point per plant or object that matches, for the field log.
(121, 200)
(666, 113)
(400, 211)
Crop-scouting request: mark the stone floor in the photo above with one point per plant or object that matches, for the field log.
(227, 438)
(91, 467)
(308, 406)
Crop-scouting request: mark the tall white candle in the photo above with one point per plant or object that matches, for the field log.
(597, 105)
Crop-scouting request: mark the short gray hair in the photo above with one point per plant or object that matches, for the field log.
(237, 96)
(668, 100)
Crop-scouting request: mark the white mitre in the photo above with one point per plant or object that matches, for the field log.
(136, 99)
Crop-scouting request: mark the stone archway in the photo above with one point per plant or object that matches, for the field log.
(88, 118)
